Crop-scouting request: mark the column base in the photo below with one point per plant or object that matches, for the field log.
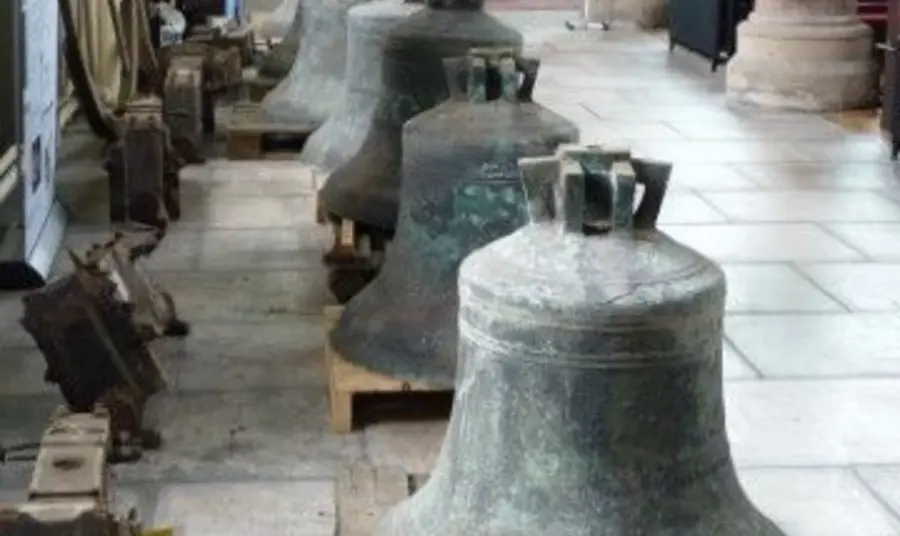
(813, 64)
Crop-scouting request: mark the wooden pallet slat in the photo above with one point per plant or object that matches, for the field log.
(346, 379)
(249, 129)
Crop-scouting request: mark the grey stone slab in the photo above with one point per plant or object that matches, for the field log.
(763, 242)
(884, 482)
(262, 178)
(303, 508)
(11, 331)
(862, 286)
(813, 127)
(811, 345)
(878, 241)
(708, 177)
(222, 357)
(22, 372)
(721, 151)
(813, 423)
(23, 420)
(248, 212)
(687, 207)
(298, 248)
(818, 502)
(264, 434)
(773, 288)
(822, 175)
(177, 251)
(246, 294)
(734, 366)
(805, 206)
(412, 446)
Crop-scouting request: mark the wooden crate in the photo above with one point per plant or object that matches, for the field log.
(346, 380)
(366, 493)
(249, 130)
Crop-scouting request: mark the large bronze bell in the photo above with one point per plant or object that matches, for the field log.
(460, 191)
(343, 134)
(277, 22)
(311, 90)
(277, 64)
(589, 389)
(366, 188)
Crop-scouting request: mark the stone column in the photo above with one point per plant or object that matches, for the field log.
(809, 55)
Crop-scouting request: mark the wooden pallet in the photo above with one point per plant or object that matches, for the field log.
(366, 493)
(249, 131)
(346, 380)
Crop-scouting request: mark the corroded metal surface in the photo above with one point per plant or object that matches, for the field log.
(460, 191)
(343, 134)
(277, 64)
(589, 397)
(311, 91)
(93, 327)
(366, 188)
(69, 491)
(143, 167)
(183, 105)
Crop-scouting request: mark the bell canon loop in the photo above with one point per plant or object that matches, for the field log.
(460, 191)
(589, 387)
(366, 188)
(341, 137)
(311, 90)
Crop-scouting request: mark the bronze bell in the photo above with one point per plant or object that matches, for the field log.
(460, 191)
(278, 22)
(311, 90)
(277, 63)
(366, 188)
(343, 134)
(589, 387)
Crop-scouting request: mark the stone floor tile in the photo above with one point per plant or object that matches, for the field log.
(884, 482)
(224, 357)
(177, 251)
(763, 242)
(11, 331)
(804, 206)
(273, 434)
(22, 372)
(246, 294)
(754, 129)
(302, 508)
(687, 207)
(708, 177)
(300, 247)
(266, 178)
(245, 212)
(863, 286)
(773, 288)
(822, 175)
(814, 423)
(818, 502)
(878, 241)
(413, 446)
(734, 366)
(719, 151)
(810, 346)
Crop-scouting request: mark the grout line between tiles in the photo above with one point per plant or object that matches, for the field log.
(795, 267)
(743, 357)
(823, 226)
(874, 494)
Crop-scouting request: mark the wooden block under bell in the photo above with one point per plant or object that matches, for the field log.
(345, 380)
(249, 131)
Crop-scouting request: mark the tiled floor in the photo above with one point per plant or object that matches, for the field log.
(803, 214)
